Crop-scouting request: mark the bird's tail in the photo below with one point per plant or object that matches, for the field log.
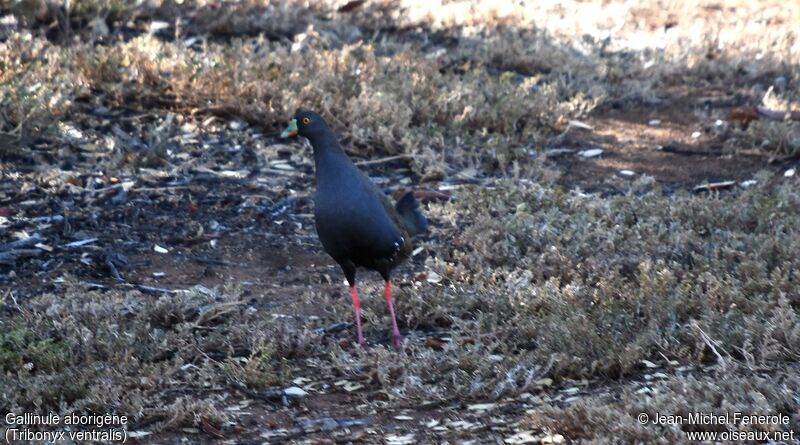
(410, 214)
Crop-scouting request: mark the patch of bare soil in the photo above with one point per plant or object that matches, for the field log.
(674, 143)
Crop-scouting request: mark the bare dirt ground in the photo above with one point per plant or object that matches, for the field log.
(187, 275)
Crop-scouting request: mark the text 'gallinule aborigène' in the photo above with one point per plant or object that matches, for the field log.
(356, 222)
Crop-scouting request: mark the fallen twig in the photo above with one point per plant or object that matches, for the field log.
(335, 327)
(47, 219)
(10, 258)
(714, 186)
(214, 312)
(228, 174)
(745, 115)
(711, 345)
(16, 304)
(113, 269)
(160, 189)
(351, 5)
(137, 189)
(679, 151)
(156, 290)
(214, 261)
(29, 241)
(384, 160)
(778, 115)
(79, 243)
(141, 287)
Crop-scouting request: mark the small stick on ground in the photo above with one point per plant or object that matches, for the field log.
(711, 345)
(778, 115)
(112, 268)
(383, 160)
(30, 241)
(10, 258)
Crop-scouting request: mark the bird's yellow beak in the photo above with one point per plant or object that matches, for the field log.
(291, 130)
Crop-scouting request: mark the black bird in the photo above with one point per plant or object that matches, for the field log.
(356, 222)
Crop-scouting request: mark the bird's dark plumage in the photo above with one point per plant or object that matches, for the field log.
(356, 222)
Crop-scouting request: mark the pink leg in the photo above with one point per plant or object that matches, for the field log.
(396, 338)
(357, 306)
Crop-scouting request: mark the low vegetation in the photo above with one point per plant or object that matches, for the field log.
(536, 284)
(479, 90)
(646, 300)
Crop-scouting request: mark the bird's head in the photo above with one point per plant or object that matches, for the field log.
(306, 124)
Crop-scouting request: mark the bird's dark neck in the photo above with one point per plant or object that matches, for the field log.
(327, 151)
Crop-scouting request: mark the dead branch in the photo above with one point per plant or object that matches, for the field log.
(30, 241)
(778, 115)
(10, 258)
(384, 160)
(711, 345)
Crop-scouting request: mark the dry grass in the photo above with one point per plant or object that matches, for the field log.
(482, 93)
(572, 287)
(164, 360)
(37, 86)
(604, 420)
(538, 282)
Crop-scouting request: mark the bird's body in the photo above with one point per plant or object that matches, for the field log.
(352, 219)
(356, 223)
